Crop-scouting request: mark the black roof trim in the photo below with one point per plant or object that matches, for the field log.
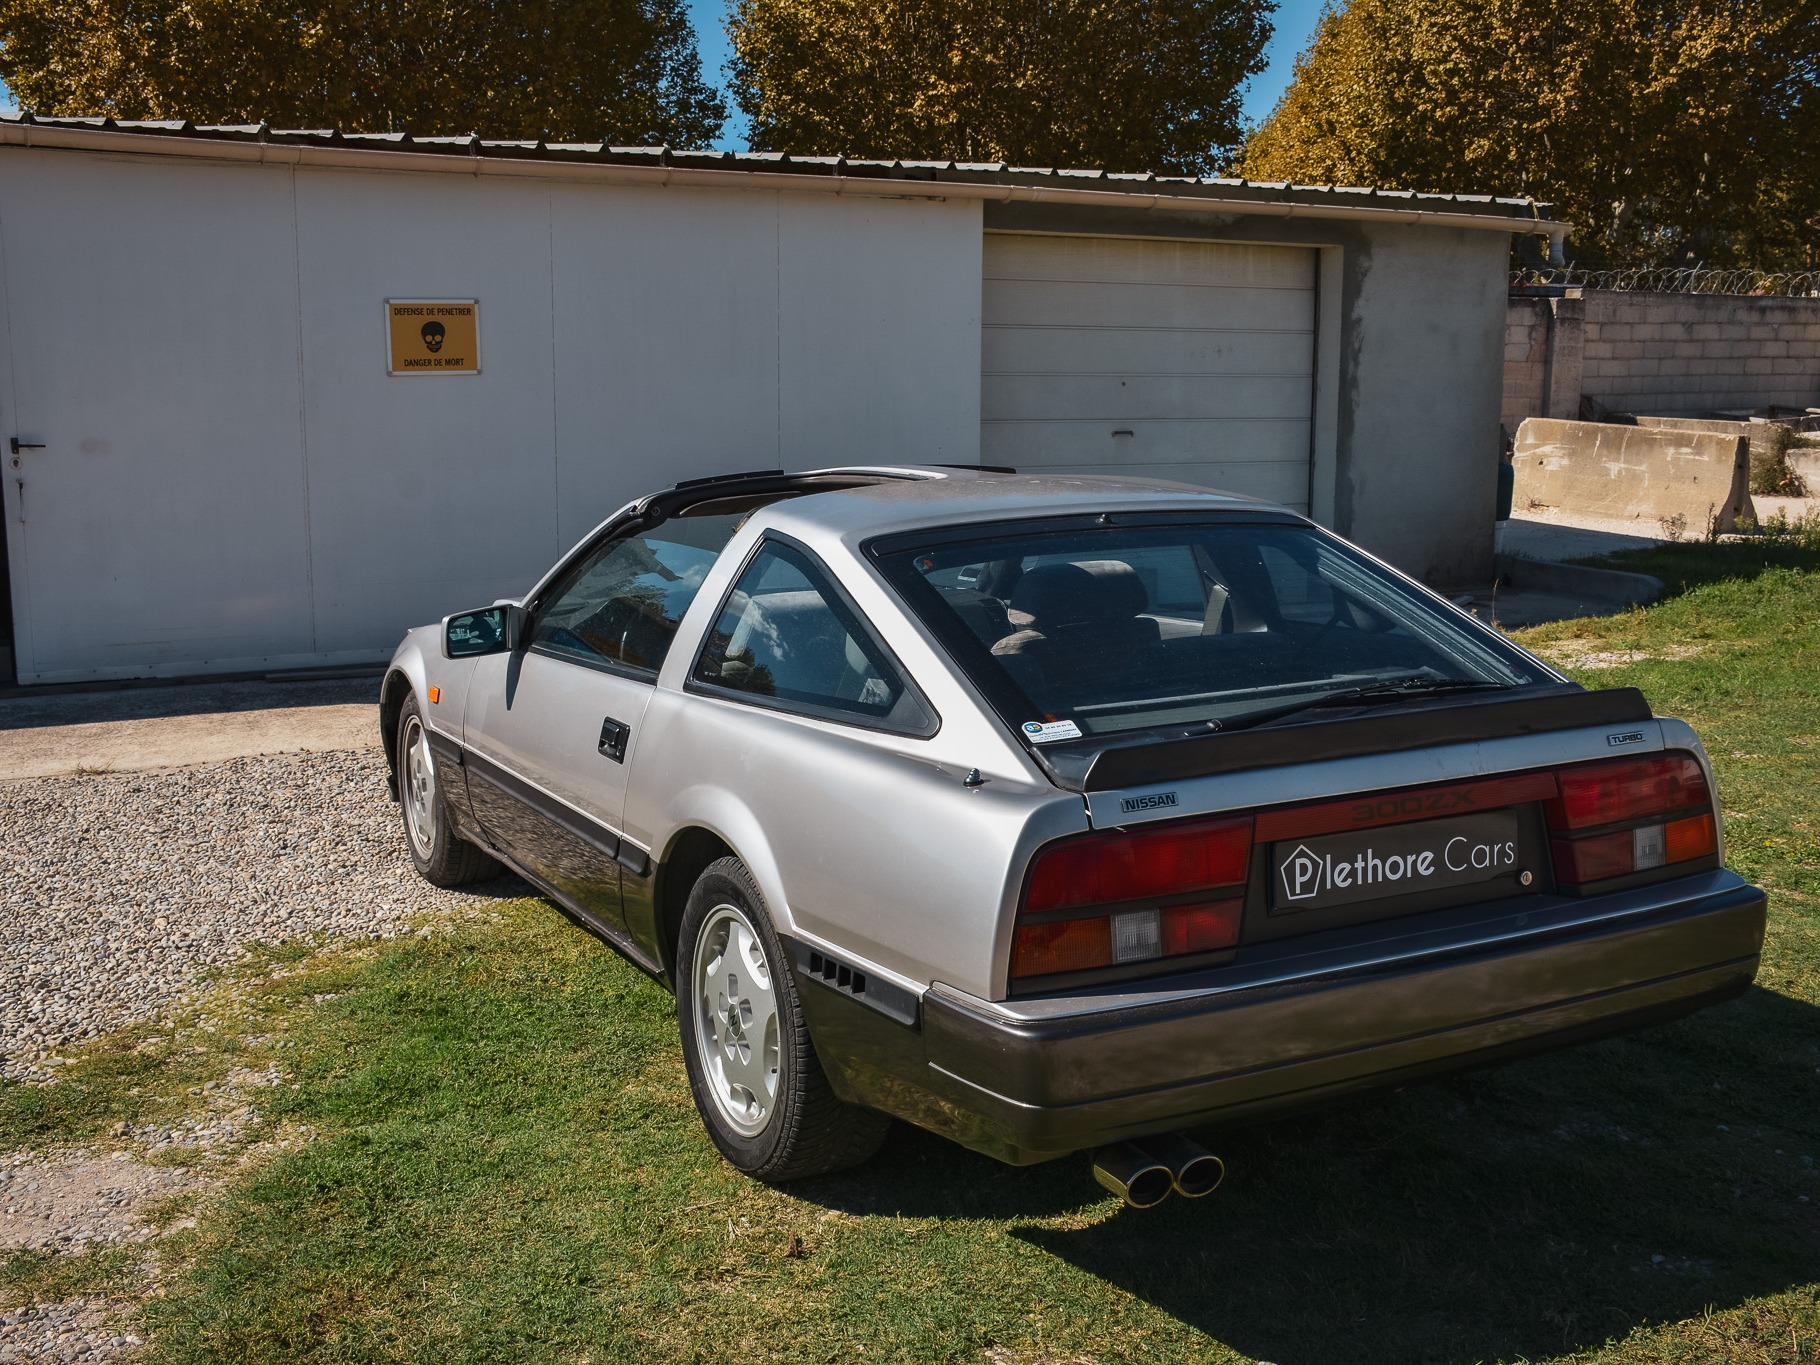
(1216, 190)
(757, 483)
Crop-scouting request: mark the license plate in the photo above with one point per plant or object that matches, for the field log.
(1397, 860)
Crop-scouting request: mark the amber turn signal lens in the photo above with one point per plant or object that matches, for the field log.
(1069, 945)
(435, 695)
(1695, 837)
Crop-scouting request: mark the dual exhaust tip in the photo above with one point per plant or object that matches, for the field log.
(1144, 1172)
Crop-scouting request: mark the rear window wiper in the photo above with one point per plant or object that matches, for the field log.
(1369, 694)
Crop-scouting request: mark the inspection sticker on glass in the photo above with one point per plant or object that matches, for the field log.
(1039, 733)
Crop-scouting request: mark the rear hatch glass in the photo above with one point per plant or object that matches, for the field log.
(1132, 628)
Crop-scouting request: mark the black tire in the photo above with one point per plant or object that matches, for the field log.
(440, 857)
(804, 1129)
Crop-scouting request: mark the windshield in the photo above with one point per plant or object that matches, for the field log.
(1217, 625)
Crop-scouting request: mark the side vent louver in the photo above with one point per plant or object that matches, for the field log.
(837, 974)
(874, 992)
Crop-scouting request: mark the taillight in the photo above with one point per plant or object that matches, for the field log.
(1103, 900)
(1633, 815)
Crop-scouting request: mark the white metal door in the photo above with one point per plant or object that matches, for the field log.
(1191, 361)
(155, 503)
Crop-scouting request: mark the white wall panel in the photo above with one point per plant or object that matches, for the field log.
(428, 493)
(155, 356)
(666, 345)
(878, 322)
(234, 481)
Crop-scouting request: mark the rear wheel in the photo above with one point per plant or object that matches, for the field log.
(758, 1085)
(439, 856)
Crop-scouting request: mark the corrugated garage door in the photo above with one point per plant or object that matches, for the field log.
(1191, 361)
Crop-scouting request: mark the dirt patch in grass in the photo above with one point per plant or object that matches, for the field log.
(1577, 653)
(73, 1201)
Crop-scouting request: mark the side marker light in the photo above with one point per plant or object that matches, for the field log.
(435, 695)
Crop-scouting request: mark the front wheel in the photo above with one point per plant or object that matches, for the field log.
(439, 856)
(758, 1085)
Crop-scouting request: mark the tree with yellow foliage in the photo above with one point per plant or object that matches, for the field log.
(617, 70)
(1125, 85)
(1667, 131)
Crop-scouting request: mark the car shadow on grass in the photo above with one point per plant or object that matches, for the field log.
(1537, 1208)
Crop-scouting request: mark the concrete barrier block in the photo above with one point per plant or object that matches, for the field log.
(1646, 474)
(1611, 588)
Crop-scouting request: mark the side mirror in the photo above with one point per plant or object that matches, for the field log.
(491, 630)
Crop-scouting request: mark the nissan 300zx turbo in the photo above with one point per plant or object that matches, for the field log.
(1055, 814)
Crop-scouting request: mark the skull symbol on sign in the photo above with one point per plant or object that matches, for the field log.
(432, 336)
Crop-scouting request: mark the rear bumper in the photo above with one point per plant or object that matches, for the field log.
(1033, 1080)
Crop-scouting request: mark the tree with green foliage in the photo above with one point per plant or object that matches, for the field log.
(1667, 131)
(1131, 86)
(623, 71)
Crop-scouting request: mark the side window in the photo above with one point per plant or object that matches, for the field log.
(786, 636)
(622, 603)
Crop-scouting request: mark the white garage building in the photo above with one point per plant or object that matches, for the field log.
(222, 460)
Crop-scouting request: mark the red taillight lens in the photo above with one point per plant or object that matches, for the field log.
(1595, 859)
(1639, 795)
(1117, 869)
(1202, 928)
(1046, 947)
(1100, 869)
(1631, 789)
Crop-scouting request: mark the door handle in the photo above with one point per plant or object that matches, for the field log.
(613, 737)
(19, 445)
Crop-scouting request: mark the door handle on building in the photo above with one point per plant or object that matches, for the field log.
(19, 445)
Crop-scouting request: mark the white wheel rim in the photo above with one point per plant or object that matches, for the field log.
(737, 1036)
(419, 788)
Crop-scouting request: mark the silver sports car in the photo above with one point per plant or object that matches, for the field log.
(1057, 813)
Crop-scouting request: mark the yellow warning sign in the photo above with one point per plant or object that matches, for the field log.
(433, 336)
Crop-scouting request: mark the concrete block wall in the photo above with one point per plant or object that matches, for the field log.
(1525, 360)
(1669, 354)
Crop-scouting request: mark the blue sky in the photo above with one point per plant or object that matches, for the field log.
(1295, 25)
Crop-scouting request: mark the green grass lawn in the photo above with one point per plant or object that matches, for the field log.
(488, 1152)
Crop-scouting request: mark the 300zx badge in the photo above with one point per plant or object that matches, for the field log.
(1414, 805)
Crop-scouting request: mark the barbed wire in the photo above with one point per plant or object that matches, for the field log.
(1673, 280)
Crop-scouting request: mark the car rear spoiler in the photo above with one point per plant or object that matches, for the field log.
(1140, 763)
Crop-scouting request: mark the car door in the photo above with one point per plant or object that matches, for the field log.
(550, 726)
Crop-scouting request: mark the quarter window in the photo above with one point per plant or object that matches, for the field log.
(787, 638)
(622, 603)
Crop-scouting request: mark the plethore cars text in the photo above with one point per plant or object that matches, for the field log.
(1056, 814)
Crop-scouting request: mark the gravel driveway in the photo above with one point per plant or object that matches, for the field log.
(120, 887)
(116, 891)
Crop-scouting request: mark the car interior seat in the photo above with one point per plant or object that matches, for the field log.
(1080, 624)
